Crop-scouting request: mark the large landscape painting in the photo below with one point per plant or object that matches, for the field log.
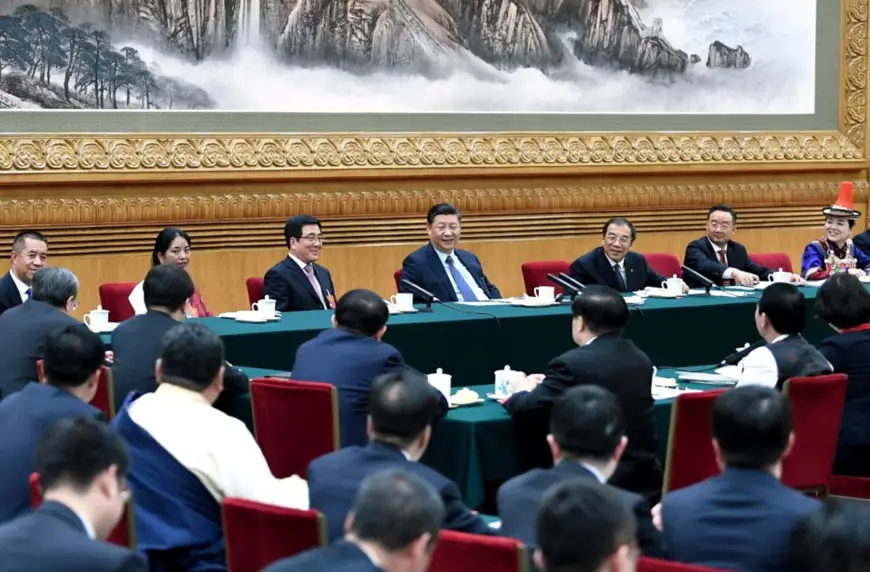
(568, 56)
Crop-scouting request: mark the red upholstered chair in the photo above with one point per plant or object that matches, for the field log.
(646, 564)
(255, 289)
(850, 487)
(664, 263)
(397, 276)
(463, 552)
(115, 298)
(284, 410)
(535, 274)
(773, 260)
(104, 398)
(259, 534)
(690, 457)
(817, 409)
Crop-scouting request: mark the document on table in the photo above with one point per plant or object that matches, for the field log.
(718, 293)
(727, 375)
(669, 392)
(494, 302)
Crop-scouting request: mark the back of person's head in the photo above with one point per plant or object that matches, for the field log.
(73, 356)
(55, 286)
(402, 406)
(585, 526)
(167, 286)
(83, 462)
(783, 305)
(836, 538)
(602, 309)
(752, 426)
(843, 302)
(398, 512)
(586, 423)
(164, 240)
(362, 312)
(192, 357)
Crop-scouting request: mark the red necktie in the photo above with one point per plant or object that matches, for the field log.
(724, 261)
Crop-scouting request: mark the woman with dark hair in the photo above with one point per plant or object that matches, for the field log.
(835, 252)
(171, 246)
(844, 304)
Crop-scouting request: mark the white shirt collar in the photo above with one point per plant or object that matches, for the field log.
(779, 338)
(591, 340)
(595, 472)
(443, 255)
(92, 534)
(371, 555)
(22, 287)
(716, 247)
(301, 264)
(621, 263)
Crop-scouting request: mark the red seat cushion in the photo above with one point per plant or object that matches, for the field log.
(690, 446)
(773, 261)
(397, 276)
(646, 564)
(535, 274)
(664, 263)
(104, 398)
(115, 297)
(255, 288)
(463, 552)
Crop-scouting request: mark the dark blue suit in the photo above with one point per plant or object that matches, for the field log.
(424, 268)
(701, 258)
(740, 520)
(341, 556)
(24, 417)
(520, 498)
(334, 479)
(9, 293)
(53, 539)
(594, 268)
(287, 284)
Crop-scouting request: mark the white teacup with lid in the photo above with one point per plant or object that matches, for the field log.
(441, 381)
(264, 307)
(97, 319)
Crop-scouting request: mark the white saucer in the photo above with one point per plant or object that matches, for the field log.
(110, 327)
(530, 302)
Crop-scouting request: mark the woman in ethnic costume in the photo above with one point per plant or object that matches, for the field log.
(835, 252)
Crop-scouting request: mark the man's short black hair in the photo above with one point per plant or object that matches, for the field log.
(442, 209)
(586, 422)
(603, 309)
(724, 209)
(192, 356)
(394, 508)
(362, 312)
(74, 452)
(167, 286)
(293, 228)
(581, 523)
(402, 405)
(834, 538)
(619, 221)
(752, 425)
(18, 241)
(783, 304)
(843, 302)
(72, 355)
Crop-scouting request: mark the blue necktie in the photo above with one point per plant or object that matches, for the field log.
(619, 280)
(464, 289)
(28, 292)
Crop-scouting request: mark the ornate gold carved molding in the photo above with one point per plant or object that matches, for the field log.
(855, 114)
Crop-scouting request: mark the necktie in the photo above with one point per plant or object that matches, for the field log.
(28, 293)
(309, 272)
(619, 279)
(724, 261)
(464, 289)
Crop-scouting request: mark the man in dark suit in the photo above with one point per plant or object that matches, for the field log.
(139, 341)
(24, 328)
(393, 525)
(402, 407)
(69, 375)
(605, 359)
(743, 518)
(587, 439)
(29, 255)
(449, 273)
(82, 464)
(613, 264)
(298, 283)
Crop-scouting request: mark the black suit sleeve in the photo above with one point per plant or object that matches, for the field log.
(411, 273)
(457, 516)
(557, 380)
(275, 287)
(133, 563)
(697, 260)
(648, 536)
(581, 273)
(492, 291)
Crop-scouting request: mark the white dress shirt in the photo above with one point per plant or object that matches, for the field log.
(137, 299)
(621, 266)
(89, 529)
(729, 272)
(759, 367)
(22, 287)
(302, 266)
(595, 472)
(215, 447)
(463, 271)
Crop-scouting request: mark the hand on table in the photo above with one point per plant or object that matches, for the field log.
(110, 356)
(797, 279)
(526, 383)
(744, 278)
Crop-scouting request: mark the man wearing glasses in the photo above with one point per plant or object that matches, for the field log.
(298, 283)
(613, 264)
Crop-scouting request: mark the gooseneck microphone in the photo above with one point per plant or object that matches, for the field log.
(735, 358)
(427, 296)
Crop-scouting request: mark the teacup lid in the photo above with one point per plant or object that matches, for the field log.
(507, 368)
(675, 277)
(439, 373)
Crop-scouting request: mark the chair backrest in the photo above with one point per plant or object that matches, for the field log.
(284, 412)
(104, 398)
(690, 457)
(850, 487)
(773, 260)
(664, 263)
(646, 564)
(535, 274)
(397, 276)
(255, 288)
(817, 409)
(258, 534)
(463, 552)
(115, 297)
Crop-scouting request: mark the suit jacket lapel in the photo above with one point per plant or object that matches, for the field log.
(440, 272)
(300, 274)
(471, 265)
(605, 270)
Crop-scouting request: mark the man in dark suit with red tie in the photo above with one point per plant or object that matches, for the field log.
(298, 283)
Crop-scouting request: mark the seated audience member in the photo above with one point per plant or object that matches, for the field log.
(392, 527)
(835, 252)
(449, 273)
(350, 356)
(298, 282)
(24, 328)
(68, 374)
(603, 358)
(402, 407)
(29, 255)
(835, 538)
(780, 316)
(844, 304)
(188, 456)
(743, 518)
(82, 464)
(138, 342)
(172, 246)
(613, 263)
(587, 439)
(585, 527)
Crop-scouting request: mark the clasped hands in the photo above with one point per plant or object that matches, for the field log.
(521, 382)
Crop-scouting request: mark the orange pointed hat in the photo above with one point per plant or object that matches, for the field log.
(845, 205)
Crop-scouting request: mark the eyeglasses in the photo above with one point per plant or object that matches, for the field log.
(314, 238)
(719, 225)
(616, 239)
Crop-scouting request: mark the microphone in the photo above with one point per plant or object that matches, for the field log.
(734, 358)
(428, 296)
(707, 282)
(570, 279)
(563, 283)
